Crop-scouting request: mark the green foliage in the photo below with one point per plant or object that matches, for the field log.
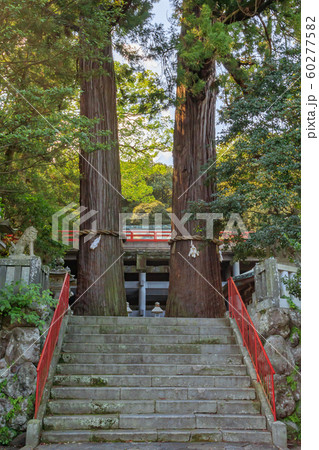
(258, 165)
(16, 407)
(144, 181)
(292, 379)
(149, 210)
(293, 331)
(18, 302)
(31, 405)
(141, 101)
(144, 131)
(294, 420)
(160, 178)
(294, 432)
(38, 182)
(204, 36)
(257, 170)
(294, 284)
(291, 304)
(3, 384)
(7, 433)
(40, 127)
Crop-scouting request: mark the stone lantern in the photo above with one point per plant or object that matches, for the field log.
(128, 309)
(157, 310)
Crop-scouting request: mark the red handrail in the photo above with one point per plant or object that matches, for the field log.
(145, 235)
(131, 235)
(264, 369)
(50, 342)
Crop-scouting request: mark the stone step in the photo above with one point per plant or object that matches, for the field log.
(171, 421)
(58, 407)
(151, 393)
(154, 421)
(155, 381)
(150, 369)
(148, 339)
(56, 437)
(122, 379)
(209, 406)
(113, 435)
(149, 321)
(231, 421)
(150, 330)
(247, 436)
(81, 422)
(224, 349)
(138, 358)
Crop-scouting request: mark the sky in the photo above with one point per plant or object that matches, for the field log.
(162, 11)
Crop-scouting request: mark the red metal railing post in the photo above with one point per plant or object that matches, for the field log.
(242, 325)
(51, 341)
(256, 357)
(131, 235)
(264, 369)
(273, 396)
(229, 299)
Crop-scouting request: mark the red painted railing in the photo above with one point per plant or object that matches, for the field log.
(131, 235)
(264, 369)
(147, 235)
(50, 342)
(71, 236)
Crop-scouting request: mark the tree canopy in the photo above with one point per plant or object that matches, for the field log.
(258, 160)
(41, 130)
(258, 69)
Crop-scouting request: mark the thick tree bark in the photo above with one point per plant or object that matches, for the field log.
(196, 291)
(100, 271)
(190, 290)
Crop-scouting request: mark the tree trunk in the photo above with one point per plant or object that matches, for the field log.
(194, 291)
(100, 271)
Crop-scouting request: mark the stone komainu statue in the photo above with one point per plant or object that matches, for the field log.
(26, 240)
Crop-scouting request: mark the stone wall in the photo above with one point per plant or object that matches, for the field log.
(19, 356)
(20, 349)
(28, 269)
(280, 329)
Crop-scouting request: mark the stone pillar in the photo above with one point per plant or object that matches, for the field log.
(267, 284)
(56, 280)
(142, 294)
(283, 288)
(236, 268)
(20, 267)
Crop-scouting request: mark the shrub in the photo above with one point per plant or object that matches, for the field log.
(22, 302)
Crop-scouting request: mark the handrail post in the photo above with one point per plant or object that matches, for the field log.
(264, 371)
(229, 299)
(273, 395)
(242, 325)
(256, 358)
(51, 341)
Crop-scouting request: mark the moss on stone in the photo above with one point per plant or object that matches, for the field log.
(209, 341)
(98, 381)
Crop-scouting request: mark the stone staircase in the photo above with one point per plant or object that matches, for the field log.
(152, 379)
